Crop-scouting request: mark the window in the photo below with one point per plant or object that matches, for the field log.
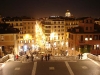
(2, 38)
(86, 39)
(54, 22)
(86, 21)
(62, 29)
(54, 26)
(47, 31)
(62, 34)
(90, 21)
(62, 22)
(21, 36)
(86, 28)
(28, 27)
(20, 24)
(81, 38)
(90, 28)
(90, 37)
(62, 26)
(95, 37)
(24, 27)
(58, 26)
(62, 37)
(58, 30)
(16, 24)
(25, 32)
(58, 22)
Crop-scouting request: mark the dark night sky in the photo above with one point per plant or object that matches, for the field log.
(45, 8)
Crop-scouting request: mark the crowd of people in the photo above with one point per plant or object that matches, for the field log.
(45, 57)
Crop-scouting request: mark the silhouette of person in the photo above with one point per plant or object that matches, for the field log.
(16, 57)
(46, 57)
(79, 56)
(42, 57)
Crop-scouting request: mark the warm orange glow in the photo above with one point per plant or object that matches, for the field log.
(27, 36)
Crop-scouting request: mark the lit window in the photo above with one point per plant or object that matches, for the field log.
(25, 41)
(21, 41)
(32, 41)
(29, 41)
(94, 46)
(97, 45)
(86, 39)
(90, 38)
(72, 48)
(54, 44)
(2, 38)
(66, 43)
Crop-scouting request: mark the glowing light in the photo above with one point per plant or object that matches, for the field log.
(53, 36)
(27, 36)
(86, 39)
(21, 41)
(62, 43)
(72, 48)
(90, 39)
(25, 47)
(55, 44)
(67, 44)
(29, 41)
(97, 45)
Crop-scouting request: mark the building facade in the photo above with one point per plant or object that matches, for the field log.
(55, 29)
(8, 44)
(26, 37)
(85, 37)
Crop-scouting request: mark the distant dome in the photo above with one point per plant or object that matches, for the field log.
(67, 14)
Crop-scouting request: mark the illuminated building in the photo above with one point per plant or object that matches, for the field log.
(97, 21)
(85, 37)
(58, 26)
(8, 44)
(48, 35)
(68, 14)
(26, 37)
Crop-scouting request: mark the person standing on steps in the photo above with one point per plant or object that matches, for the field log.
(42, 57)
(27, 57)
(46, 57)
(17, 57)
(79, 56)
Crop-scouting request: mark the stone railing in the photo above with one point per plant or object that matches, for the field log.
(68, 58)
(6, 58)
(94, 57)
